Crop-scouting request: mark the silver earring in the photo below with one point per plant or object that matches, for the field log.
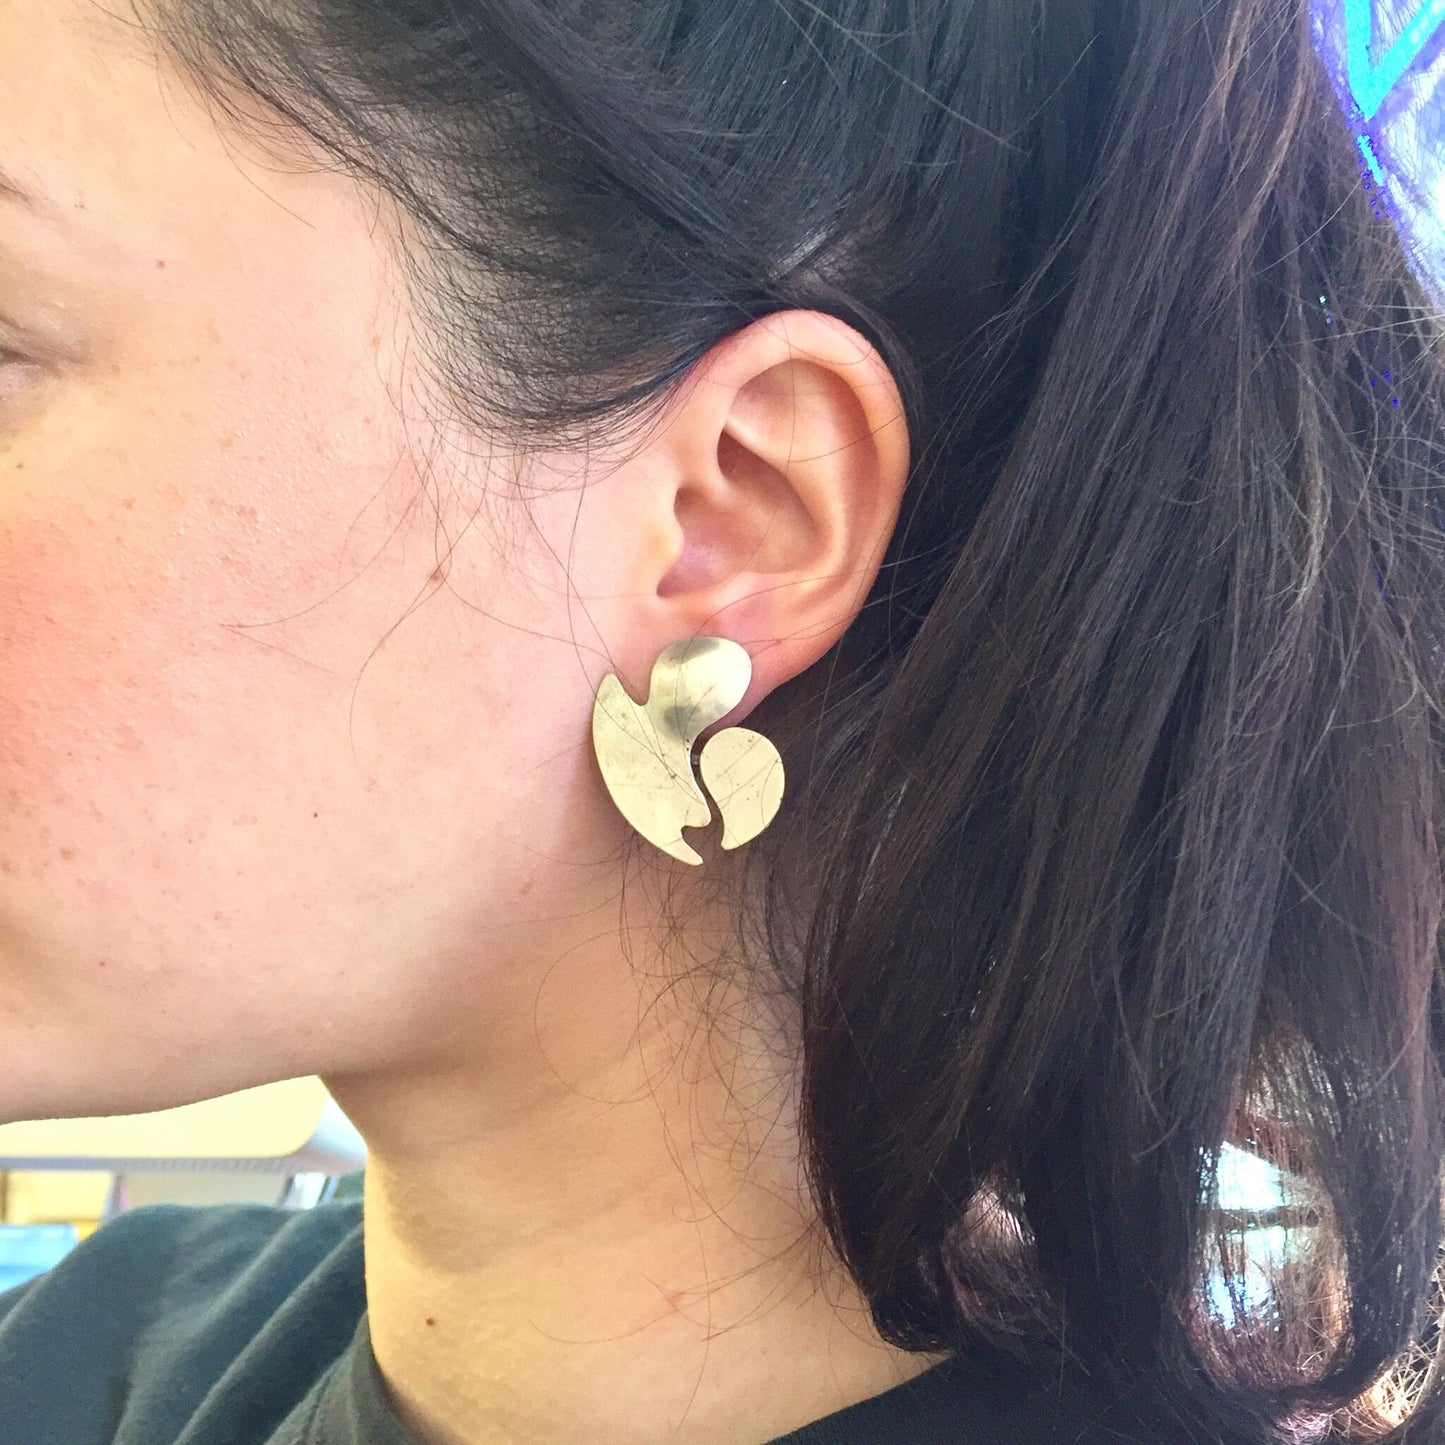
(645, 749)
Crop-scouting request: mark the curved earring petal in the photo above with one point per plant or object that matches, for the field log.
(648, 774)
(744, 773)
(696, 683)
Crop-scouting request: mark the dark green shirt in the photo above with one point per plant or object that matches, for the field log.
(246, 1325)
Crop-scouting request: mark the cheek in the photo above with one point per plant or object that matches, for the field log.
(144, 647)
(262, 777)
(187, 770)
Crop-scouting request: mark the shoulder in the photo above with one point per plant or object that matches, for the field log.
(151, 1313)
(168, 1254)
(984, 1397)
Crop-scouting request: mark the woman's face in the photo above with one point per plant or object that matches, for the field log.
(292, 726)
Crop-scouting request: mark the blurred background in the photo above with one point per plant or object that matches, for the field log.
(285, 1144)
(1387, 60)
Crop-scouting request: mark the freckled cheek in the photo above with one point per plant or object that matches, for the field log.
(194, 619)
(87, 698)
(124, 684)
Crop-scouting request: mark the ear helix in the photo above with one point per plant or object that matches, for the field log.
(645, 749)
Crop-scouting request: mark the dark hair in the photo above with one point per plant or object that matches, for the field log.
(1123, 791)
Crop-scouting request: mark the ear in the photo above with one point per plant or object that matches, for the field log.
(770, 492)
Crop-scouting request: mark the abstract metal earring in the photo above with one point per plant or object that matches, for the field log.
(645, 749)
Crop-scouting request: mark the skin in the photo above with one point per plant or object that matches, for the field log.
(296, 675)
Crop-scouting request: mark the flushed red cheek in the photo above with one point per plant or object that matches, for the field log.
(99, 670)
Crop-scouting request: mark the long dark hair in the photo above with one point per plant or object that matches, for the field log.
(1122, 793)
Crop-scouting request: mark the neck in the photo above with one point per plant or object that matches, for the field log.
(626, 1253)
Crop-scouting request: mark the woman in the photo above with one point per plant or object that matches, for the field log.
(426, 420)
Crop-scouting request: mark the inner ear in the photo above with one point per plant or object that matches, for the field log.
(747, 518)
(742, 467)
